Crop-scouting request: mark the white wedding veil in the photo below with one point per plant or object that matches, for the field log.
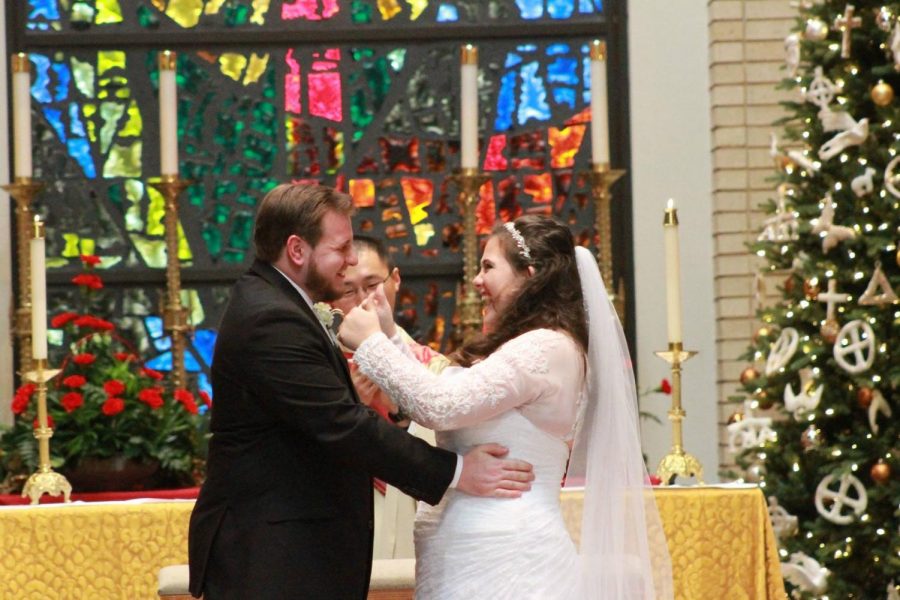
(623, 546)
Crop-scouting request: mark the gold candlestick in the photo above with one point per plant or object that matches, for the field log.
(45, 480)
(470, 182)
(23, 190)
(602, 178)
(175, 316)
(677, 462)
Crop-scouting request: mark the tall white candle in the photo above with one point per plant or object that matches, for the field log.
(38, 292)
(21, 93)
(468, 113)
(673, 273)
(599, 107)
(168, 114)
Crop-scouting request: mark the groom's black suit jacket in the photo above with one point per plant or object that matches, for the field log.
(286, 509)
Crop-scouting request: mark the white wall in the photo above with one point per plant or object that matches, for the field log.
(670, 157)
(6, 247)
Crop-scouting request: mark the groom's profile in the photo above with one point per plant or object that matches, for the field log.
(286, 510)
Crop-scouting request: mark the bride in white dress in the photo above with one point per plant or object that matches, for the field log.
(534, 384)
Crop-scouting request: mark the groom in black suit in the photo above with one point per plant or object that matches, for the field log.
(286, 510)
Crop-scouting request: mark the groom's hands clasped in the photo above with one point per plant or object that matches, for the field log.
(486, 473)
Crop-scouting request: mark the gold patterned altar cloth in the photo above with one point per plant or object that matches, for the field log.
(720, 539)
(90, 551)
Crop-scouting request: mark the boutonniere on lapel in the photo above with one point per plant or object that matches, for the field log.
(328, 317)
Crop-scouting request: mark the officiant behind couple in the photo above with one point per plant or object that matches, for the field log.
(551, 379)
(286, 509)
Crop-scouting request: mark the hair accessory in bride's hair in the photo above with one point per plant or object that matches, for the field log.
(524, 250)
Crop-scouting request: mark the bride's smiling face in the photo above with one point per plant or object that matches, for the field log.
(498, 282)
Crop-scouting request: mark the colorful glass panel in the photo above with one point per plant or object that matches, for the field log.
(377, 120)
(172, 15)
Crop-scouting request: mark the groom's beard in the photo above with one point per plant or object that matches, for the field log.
(319, 288)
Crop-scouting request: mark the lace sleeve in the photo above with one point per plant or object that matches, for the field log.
(512, 376)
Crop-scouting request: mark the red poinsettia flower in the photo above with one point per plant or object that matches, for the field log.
(654, 479)
(90, 260)
(113, 406)
(26, 389)
(151, 373)
(74, 381)
(94, 323)
(190, 406)
(62, 319)
(88, 280)
(36, 423)
(187, 400)
(665, 387)
(20, 403)
(113, 387)
(85, 358)
(152, 397)
(71, 401)
(205, 397)
(124, 356)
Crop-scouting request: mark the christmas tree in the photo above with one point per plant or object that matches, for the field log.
(827, 355)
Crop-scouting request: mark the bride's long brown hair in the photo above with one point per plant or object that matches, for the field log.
(549, 299)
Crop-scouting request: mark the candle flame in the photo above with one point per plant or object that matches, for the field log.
(670, 204)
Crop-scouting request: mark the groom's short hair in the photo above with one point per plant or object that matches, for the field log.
(295, 209)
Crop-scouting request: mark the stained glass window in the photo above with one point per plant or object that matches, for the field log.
(359, 94)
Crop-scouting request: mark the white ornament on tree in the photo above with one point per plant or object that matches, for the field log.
(894, 45)
(821, 90)
(889, 177)
(855, 340)
(806, 573)
(792, 53)
(835, 120)
(863, 184)
(797, 156)
(854, 136)
(807, 400)
(832, 298)
(783, 523)
(751, 431)
(783, 225)
(879, 281)
(846, 23)
(840, 498)
(878, 406)
(782, 351)
(831, 234)
(892, 592)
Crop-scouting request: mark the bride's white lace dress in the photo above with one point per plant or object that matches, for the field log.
(525, 396)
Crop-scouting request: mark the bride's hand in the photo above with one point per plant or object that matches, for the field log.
(379, 302)
(357, 326)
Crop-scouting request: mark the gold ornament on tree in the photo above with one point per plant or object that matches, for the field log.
(864, 397)
(736, 417)
(829, 330)
(882, 94)
(762, 332)
(816, 30)
(811, 288)
(811, 438)
(880, 471)
(749, 375)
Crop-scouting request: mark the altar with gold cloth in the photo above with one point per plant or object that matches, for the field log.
(720, 539)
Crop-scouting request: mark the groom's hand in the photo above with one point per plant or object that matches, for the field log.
(486, 473)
